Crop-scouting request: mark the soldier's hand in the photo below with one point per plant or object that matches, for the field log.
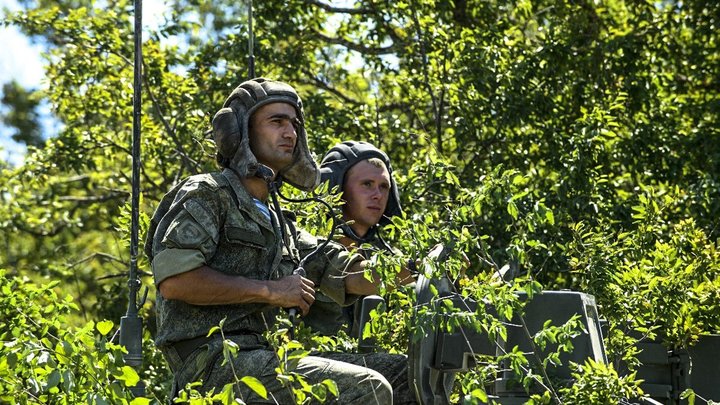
(293, 292)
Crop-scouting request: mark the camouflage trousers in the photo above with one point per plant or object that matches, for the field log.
(361, 379)
(392, 366)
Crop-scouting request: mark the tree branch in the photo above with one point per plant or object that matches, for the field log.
(92, 199)
(189, 163)
(340, 10)
(426, 76)
(383, 50)
(323, 85)
(318, 82)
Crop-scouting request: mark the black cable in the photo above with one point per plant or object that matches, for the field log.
(292, 313)
(273, 187)
(332, 228)
(267, 174)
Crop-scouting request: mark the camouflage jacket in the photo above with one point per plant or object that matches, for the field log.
(210, 219)
(326, 316)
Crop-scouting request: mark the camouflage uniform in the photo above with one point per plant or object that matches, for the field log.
(210, 219)
(326, 317)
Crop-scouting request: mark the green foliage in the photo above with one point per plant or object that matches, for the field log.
(22, 106)
(45, 361)
(289, 353)
(638, 277)
(556, 144)
(598, 383)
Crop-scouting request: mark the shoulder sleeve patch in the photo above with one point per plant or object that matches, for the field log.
(204, 218)
(189, 233)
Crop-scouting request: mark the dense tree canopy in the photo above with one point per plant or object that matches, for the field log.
(574, 142)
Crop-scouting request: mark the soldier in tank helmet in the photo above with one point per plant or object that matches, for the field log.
(363, 175)
(358, 168)
(221, 253)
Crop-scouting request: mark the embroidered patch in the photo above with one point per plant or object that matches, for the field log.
(190, 233)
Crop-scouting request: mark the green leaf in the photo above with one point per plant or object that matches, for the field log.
(478, 394)
(255, 385)
(129, 376)
(214, 329)
(512, 210)
(226, 396)
(332, 387)
(550, 217)
(104, 327)
(688, 394)
(53, 379)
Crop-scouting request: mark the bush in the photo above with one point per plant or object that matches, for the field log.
(42, 360)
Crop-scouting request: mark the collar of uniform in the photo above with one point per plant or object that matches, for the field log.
(245, 200)
(369, 237)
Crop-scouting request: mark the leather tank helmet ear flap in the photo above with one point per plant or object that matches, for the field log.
(341, 157)
(231, 132)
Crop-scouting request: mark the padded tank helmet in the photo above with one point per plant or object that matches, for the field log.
(341, 157)
(231, 132)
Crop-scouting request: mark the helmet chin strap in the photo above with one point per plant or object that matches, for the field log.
(265, 173)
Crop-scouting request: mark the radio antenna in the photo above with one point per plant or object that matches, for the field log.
(251, 55)
(131, 325)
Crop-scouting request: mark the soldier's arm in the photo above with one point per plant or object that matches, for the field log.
(205, 286)
(357, 283)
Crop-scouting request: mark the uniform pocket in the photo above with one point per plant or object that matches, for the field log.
(242, 251)
(244, 236)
